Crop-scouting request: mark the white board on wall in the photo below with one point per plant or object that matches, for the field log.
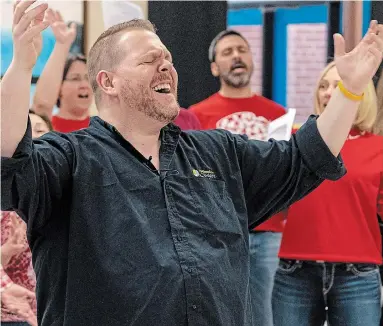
(119, 11)
(254, 35)
(306, 58)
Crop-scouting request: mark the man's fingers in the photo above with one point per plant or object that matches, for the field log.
(373, 26)
(19, 10)
(58, 16)
(31, 15)
(35, 31)
(49, 15)
(377, 42)
(15, 5)
(38, 19)
(339, 46)
(380, 34)
(73, 27)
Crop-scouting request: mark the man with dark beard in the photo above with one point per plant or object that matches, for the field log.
(133, 222)
(237, 109)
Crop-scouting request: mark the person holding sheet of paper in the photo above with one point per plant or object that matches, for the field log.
(236, 108)
(331, 245)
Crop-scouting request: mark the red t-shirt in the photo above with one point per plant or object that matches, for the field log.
(337, 222)
(66, 125)
(187, 120)
(248, 116)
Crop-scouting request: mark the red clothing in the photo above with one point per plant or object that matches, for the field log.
(65, 125)
(19, 270)
(248, 116)
(187, 120)
(337, 222)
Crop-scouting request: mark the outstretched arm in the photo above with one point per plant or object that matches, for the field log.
(49, 83)
(34, 174)
(16, 84)
(277, 174)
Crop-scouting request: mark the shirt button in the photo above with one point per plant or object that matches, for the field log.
(194, 306)
(190, 270)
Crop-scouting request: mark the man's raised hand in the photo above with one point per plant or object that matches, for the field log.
(357, 67)
(26, 29)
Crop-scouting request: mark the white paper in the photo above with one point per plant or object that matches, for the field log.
(281, 128)
(119, 11)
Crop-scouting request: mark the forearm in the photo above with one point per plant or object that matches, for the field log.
(335, 122)
(15, 97)
(49, 83)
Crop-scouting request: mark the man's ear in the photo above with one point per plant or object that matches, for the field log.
(214, 69)
(106, 82)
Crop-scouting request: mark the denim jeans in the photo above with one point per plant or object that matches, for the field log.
(263, 248)
(308, 293)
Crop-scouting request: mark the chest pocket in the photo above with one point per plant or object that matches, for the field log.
(208, 207)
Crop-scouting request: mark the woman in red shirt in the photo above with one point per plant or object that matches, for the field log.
(331, 245)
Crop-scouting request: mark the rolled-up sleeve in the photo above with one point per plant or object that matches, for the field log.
(278, 173)
(316, 153)
(36, 176)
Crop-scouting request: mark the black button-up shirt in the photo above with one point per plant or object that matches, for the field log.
(115, 242)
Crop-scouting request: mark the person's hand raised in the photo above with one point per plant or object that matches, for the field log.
(357, 67)
(64, 34)
(26, 31)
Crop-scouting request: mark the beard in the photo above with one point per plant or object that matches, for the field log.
(236, 80)
(142, 99)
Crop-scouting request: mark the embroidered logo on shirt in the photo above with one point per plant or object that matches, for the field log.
(204, 174)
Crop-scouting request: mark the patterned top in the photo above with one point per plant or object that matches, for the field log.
(19, 270)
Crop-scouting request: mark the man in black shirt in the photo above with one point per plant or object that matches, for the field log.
(133, 222)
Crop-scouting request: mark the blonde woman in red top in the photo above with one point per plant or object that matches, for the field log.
(331, 245)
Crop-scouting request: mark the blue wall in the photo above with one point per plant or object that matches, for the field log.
(283, 17)
(7, 50)
(48, 44)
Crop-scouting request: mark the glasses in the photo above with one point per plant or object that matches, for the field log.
(77, 79)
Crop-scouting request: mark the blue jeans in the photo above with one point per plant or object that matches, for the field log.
(263, 248)
(308, 293)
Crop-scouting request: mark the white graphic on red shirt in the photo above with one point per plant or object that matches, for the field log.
(245, 123)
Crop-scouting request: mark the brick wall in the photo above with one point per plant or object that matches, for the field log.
(253, 33)
(306, 57)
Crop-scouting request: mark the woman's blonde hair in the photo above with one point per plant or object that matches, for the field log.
(368, 107)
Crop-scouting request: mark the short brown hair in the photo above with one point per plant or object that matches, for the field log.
(105, 55)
